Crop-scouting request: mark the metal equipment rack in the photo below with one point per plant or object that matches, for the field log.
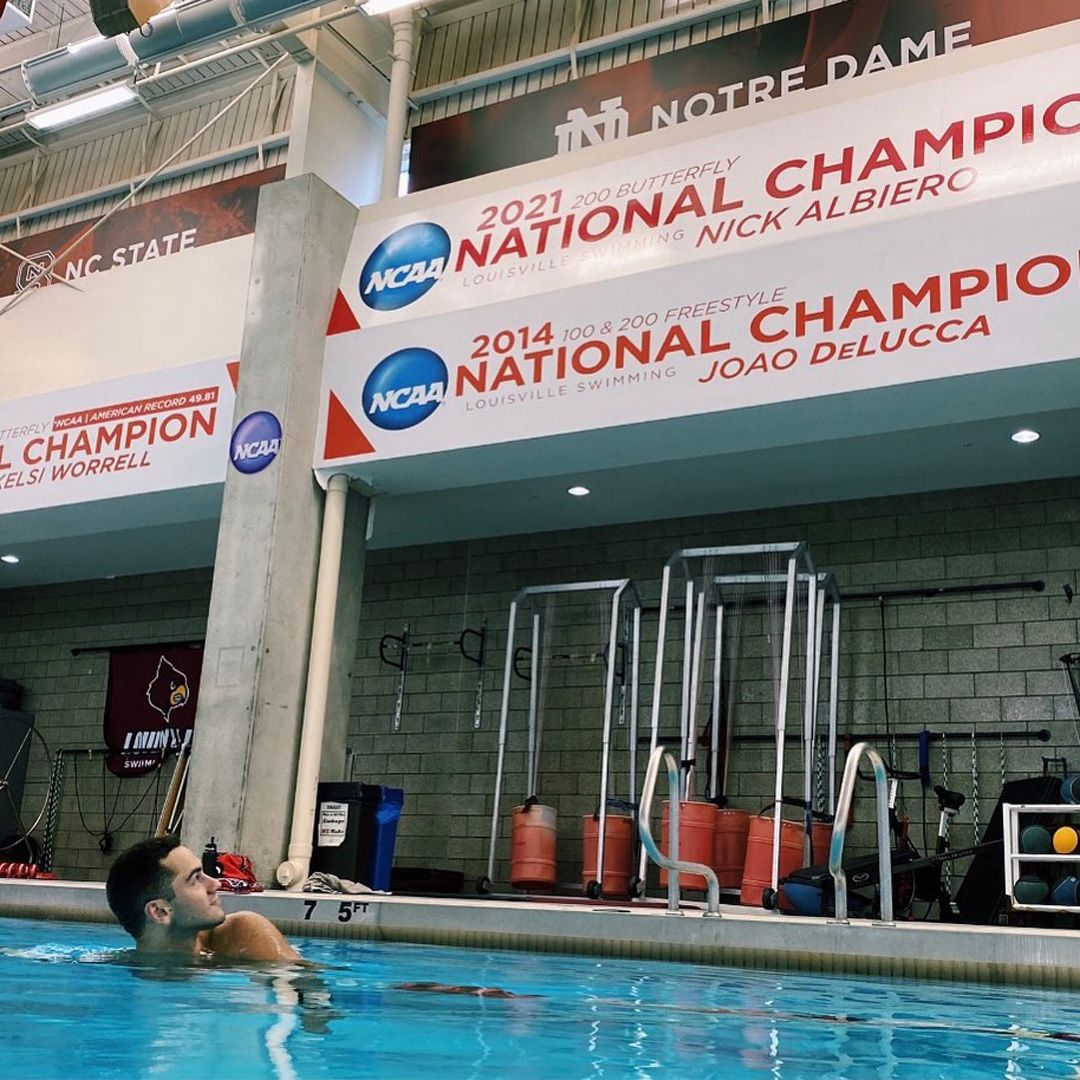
(822, 597)
(625, 623)
(1015, 859)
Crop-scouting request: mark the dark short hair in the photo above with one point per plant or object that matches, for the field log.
(137, 877)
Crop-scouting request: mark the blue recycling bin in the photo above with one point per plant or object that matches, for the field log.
(355, 831)
(379, 815)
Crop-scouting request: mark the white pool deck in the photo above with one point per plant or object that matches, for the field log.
(740, 937)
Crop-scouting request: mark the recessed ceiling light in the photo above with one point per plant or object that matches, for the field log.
(1025, 435)
(9, 559)
(577, 490)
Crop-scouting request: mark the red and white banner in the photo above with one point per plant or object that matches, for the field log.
(153, 432)
(854, 40)
(137, 234)
(888, 239)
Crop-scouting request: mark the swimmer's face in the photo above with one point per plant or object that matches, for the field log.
(194, 904)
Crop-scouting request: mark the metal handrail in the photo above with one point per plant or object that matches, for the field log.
(843, 811)
(672, 862)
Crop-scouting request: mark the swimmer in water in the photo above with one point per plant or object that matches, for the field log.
(160, 895)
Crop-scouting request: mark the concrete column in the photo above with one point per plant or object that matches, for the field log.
(240, 786)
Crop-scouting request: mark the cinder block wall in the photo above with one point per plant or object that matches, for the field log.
(65, 691)
(953, 663)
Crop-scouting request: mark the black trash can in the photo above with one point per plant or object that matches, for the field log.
(355, 831)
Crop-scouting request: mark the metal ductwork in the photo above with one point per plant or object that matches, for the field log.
(66, 71)
(179, 28)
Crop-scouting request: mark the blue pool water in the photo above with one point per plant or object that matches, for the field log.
(69, 1010)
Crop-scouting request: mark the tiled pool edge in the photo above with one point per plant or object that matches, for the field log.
(990, 955)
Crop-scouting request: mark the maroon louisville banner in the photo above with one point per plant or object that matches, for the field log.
(843, 41)
(152, 230)
(150, 706)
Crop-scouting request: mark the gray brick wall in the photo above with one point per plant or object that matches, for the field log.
(39, 628)
(952, 663)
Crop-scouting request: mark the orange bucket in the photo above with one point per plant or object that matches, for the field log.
(697, 829)
(820, 839)
(729, 846)
(757, 871)
(532, 847)
(618, 853)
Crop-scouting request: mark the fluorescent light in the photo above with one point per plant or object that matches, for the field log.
(13, 559)
(78, 46)
(70, 112)
(379, 7)
(1025, 436)
(578, 490)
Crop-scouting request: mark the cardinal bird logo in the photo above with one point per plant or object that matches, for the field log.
(168, 689)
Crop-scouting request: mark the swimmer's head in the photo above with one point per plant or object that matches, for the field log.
(158, 881)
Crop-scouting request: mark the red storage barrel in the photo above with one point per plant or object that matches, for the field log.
(729, 847)
(532, 847)
(618, 853)
(757, 871)
(697, 831)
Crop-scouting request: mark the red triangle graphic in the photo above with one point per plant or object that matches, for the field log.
(234, 372)
(342, 319)
(343, 437)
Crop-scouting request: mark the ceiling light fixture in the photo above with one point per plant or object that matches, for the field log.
(82, 108)
(380, 7)
(577, 491)
(1025, 436)
(12, 559)
(74, 47)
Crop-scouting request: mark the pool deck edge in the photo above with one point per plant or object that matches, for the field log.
(739, 938)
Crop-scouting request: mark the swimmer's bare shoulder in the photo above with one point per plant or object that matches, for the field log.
(247, 935)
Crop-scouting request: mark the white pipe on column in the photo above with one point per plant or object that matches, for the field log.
(294, 871)
(397, 112)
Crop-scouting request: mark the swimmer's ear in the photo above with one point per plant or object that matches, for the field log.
(158, 911)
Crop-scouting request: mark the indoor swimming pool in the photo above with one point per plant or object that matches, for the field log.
(73, 1008)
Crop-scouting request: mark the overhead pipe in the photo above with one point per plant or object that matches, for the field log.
(397, 113)
(175, 30)
(293, 872)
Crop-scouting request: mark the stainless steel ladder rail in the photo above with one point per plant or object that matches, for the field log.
(843, 810)
(671, 863)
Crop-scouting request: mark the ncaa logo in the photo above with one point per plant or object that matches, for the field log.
(405, 388)
(255, 442)
(404, 266)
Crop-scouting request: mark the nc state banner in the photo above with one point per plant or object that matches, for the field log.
(150, 706)
(924, 231)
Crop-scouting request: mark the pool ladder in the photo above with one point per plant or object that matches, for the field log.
(672, 862)
(884, 840)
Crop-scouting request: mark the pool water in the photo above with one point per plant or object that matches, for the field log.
(70, 1009)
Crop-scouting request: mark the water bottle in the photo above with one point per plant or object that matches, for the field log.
(209, 859)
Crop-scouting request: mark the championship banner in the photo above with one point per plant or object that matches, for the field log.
(153, 230)
(152, 432)
(150, 705)
(931, 227)
(836, 43)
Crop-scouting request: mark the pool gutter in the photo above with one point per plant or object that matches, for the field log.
(738, 938)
